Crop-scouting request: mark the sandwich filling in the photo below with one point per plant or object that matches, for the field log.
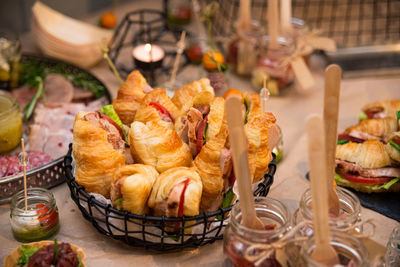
(164, 113)
(115, 135)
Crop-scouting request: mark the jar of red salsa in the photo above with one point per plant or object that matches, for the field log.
(39, 221)
(245, 246)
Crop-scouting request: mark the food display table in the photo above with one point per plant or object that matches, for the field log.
(291, 111)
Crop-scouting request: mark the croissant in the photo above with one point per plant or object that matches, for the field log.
(370, 154)
(197, 91)
(157, 106)
(131, 186)
(209, 165)
(155, 145)
(130, 96)
(373, 128)
(393, 152)
(262, 134)
(98, 149)
(176, 193)
(380, 109)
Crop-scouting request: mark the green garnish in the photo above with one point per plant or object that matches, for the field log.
(80, 264)
(204, 133)
(118, 203)
(393, 144)
(342, 142)
(226, 201)
(362, 115)
(56, 250)
(33, 68)
(26, 252)
(31, 105)
(398, 114)
(110, 112)
(375, 187)
(247, 111)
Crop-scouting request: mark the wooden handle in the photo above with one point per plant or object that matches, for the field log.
(273, 23)
(333, 76)
(238, 141)
(317, 162)
(245, 15)
(286, 15)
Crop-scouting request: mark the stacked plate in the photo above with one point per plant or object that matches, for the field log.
(66, 38)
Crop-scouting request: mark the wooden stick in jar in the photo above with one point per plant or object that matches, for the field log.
(286, 15)
(24, 165)
(273, 23)
(245, 15)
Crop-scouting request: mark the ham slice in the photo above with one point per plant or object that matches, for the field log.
(225, 161)
(194, 118)
(57, 89)
(365, 172)
(363, 136)
(174, 200)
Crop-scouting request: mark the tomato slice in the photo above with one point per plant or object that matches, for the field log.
(365, 180)
(103, 116)
(45, 218)
(232, 179)
(396, 140)
(162, 110)
(200, 132)
(349, 138)
(182, 198)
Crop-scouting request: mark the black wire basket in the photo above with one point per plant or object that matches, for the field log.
(150, 232)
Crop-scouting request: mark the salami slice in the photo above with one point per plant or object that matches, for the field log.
(10, 165)
(3, 165)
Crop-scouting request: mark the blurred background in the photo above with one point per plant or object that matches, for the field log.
(15, 15)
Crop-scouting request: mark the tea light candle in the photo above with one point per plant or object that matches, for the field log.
(147, 56)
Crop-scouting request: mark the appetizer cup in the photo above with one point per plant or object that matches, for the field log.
(244, 246)
(39, 221)
(349, 219)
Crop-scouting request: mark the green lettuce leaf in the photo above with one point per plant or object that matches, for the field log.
(204, 133)
(342, 142)
(26, 252)
(226, 201)
(362, 115)
(398, 114)
(118, 203)
(110, 112)
(373, 187)
(80, 264)
(247, 111)
(393, 144)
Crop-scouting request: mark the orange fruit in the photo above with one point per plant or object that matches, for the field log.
(232, 91)
(108, 20)
(211, 59)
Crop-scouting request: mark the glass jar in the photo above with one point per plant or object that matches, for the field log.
(10, 122)
(392, 257)
(245, 246)
(274, 66)
(39, 221)
(10, 55)
(179, 12)
(349, 219)
(243, 50)
(350, 250)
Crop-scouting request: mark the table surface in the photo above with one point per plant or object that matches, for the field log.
(291, 111)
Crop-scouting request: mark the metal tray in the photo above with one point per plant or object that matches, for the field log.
(52, 173)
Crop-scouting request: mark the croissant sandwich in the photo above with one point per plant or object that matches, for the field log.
(157, 107)
(46, 253)
(380, 109)
(393, 147)
(98, 149)
(176, 193)
(131, 187)
(378, 129)
(188, 94)
(158, 146)
(366, 167)
(130, 96)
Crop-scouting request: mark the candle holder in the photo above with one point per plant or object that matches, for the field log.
(138, 30)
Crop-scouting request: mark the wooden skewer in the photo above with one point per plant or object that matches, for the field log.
(24, 165)
(181, 47)
(286, 15)
(245, 15)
